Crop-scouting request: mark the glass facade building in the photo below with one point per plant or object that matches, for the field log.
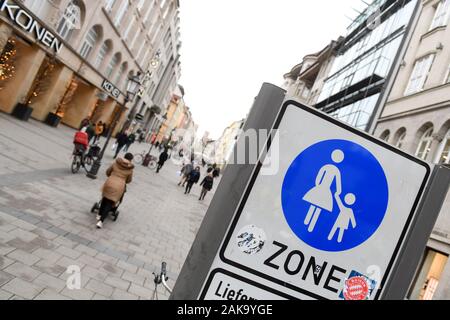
(364, 60)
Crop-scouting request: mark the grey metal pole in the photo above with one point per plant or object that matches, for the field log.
(408, 262)
(92, 174)
(212, 231)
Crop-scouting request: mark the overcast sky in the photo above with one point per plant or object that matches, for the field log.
(230, 47)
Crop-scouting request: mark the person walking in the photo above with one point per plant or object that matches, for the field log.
(84, 123)
(90, 130)
(119, 175)
(99, 129)
(131, 140)
(186, 171)
(121, 141)
(162, 160)
(207, 185)
(193, 178)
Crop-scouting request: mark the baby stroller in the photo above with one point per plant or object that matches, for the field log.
(114, 213)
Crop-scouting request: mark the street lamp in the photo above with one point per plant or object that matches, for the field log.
(132, 89)
(134, 84)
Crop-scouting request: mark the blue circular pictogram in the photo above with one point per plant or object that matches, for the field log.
(335, 195)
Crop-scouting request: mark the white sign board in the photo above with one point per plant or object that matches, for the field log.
(331, 222)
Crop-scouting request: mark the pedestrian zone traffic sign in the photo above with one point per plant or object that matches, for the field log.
(331, 222)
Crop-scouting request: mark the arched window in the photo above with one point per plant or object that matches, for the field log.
(70, 20)
(89, 43)
(444, 150)
(399, 139)
(424, 148)
(112, 65)
(122, 70)
(105, 48)
(386, 135)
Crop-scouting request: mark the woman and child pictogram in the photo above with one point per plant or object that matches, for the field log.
(321, 199)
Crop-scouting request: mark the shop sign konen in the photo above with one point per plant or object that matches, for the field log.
(111, 89)
(26, 22)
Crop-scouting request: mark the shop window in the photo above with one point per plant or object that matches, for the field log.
(429, 276)
(424, 148)
(42, 81)
(67, 98)
(8, 62)
(444, 150)
(89, 43)
(442, 14)
(420, 74)
(71, 20)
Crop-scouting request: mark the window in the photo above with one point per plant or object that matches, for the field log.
(121, 12)
(39, 7)
(140, 4)
(101, 55)
(122, 70)
(112, 65)
(70, 20)
(424, 148)
(147, 15)
(138, 55)
(420, 74)
(89, 43)
(109, 5)
(400, 138)
(444, 150)
(130, 25)
(385, 136)
(441, 16)
(136, 36)
(447, 76)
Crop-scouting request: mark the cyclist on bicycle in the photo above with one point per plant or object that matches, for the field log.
(81, 142)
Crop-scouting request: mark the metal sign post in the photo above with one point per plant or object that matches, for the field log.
(339, 218)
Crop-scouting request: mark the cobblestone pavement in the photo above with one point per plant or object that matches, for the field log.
(46, 225)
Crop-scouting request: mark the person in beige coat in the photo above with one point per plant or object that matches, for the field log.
(119, 175)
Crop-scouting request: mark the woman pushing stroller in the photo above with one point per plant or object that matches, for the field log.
(119, 175)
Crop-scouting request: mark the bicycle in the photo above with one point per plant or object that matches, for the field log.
(161, 278)
(147, 160)
(83, 159)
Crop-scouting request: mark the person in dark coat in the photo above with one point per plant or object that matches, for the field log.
(193, 178)
(207, 185)
(122, 140)
(131, 140)
(162, 160)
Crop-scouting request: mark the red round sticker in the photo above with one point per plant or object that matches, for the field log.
(356, 288)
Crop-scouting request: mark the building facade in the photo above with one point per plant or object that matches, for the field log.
(178, 128)
(67, 60)
(416, 119)
(359, 77)
(225, 145)
(305, 81)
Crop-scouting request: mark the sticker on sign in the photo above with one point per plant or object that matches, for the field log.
(339, 205)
